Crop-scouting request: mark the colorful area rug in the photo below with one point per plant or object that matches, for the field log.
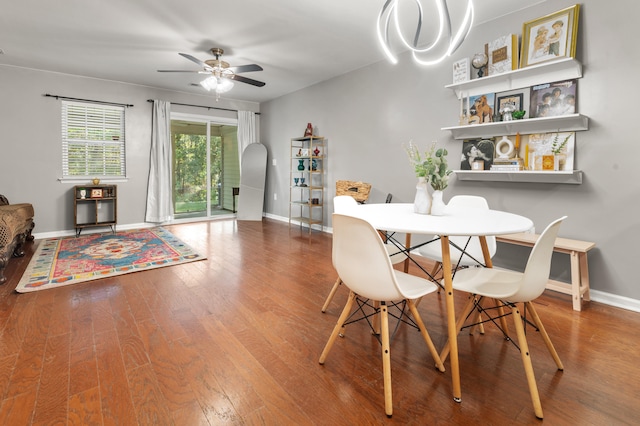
(64, 261)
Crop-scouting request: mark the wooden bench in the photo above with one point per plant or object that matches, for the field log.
(577, 250)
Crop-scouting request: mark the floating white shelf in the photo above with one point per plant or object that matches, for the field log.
(562, 123)
(547, 72)
(570, 177)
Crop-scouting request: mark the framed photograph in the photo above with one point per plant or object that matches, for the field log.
(480, 108)
(96, 192)
(550, 37)
(553, 99)
(475, 151)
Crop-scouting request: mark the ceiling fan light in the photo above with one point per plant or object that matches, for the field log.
(209, 83)
(224, 85)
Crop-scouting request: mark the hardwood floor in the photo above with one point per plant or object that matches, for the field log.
(235, 339)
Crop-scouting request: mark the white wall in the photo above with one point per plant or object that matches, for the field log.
(30, 140)
(368, 114)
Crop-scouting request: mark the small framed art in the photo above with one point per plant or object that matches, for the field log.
(96, 192)
(477, 154)
(480, 108)
(503, 54)
(461, 71)
(553, 99)
(550, 37)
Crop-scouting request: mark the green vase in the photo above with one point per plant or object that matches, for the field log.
(301, 165)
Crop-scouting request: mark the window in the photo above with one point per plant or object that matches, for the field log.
(93, 140)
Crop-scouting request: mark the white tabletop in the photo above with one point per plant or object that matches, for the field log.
(400, 217)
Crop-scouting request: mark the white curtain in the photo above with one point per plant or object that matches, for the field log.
(159, 203)
(246, 131)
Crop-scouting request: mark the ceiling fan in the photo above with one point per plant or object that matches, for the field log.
(221, 74)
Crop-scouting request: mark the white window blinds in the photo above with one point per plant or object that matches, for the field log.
(93, 140)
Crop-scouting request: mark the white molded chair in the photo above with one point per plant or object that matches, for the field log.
(364, 265)
(511, 288)
(472, 255)
(341, 205)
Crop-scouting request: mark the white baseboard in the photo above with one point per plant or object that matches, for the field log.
(615, 300)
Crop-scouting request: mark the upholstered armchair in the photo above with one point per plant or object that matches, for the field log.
(16, 224)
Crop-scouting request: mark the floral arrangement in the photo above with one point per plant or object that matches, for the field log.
(433, 166)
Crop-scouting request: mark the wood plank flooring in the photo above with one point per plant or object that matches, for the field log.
(235, 339)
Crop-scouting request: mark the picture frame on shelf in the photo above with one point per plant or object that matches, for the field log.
(461, 71)
(542, 145)
(502, 54)
(518, 99)
(96, 192)
(481, 108)
(553, 99)
(550, 37)
(476, 150)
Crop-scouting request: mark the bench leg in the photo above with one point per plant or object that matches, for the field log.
(579, 279)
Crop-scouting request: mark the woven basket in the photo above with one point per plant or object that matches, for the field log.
(358, 190)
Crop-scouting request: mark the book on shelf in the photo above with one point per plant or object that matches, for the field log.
(506, 168)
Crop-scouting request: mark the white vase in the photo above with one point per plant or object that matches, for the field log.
(437, 205)
(422, 202)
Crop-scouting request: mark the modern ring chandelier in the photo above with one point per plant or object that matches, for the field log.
(424, 55)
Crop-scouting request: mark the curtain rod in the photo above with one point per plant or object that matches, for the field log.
(203, 106)
(87, 100)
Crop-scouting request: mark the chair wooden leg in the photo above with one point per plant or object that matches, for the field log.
(526, 361)
(331, 294)
(459, 323)
(503, 318)
(545, 336)
(479, 325)
(386, 359)
(425, 335)
(375, 320)
(435, 270)
(338, 327)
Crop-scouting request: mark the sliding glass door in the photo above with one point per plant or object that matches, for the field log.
(205, 166)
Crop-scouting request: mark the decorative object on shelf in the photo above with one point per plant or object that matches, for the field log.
(437, 204)
(315, 201)
(96, 181)
(506, 111)
(518, 115)
(83, 193)
(477, 149)
(503, 54)
(479, 62)
(481, 109)
(550, 37)
(461, 71)
(477, 165)
(302, 182)
(426, 53)
(309, 130)
(422, 200)
(301, 165)
(316, 151)
(314, 165)
(518, 98)
(299, 154)
(296, 180)
(553, 99)
(96, 192)
(505, 148)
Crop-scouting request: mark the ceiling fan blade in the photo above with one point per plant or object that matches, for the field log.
(191, 71)
(246, 68)
(246, 80)
(194, 59)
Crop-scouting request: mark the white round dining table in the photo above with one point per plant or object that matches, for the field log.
(400, 217)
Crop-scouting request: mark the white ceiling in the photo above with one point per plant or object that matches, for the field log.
(297, 42)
